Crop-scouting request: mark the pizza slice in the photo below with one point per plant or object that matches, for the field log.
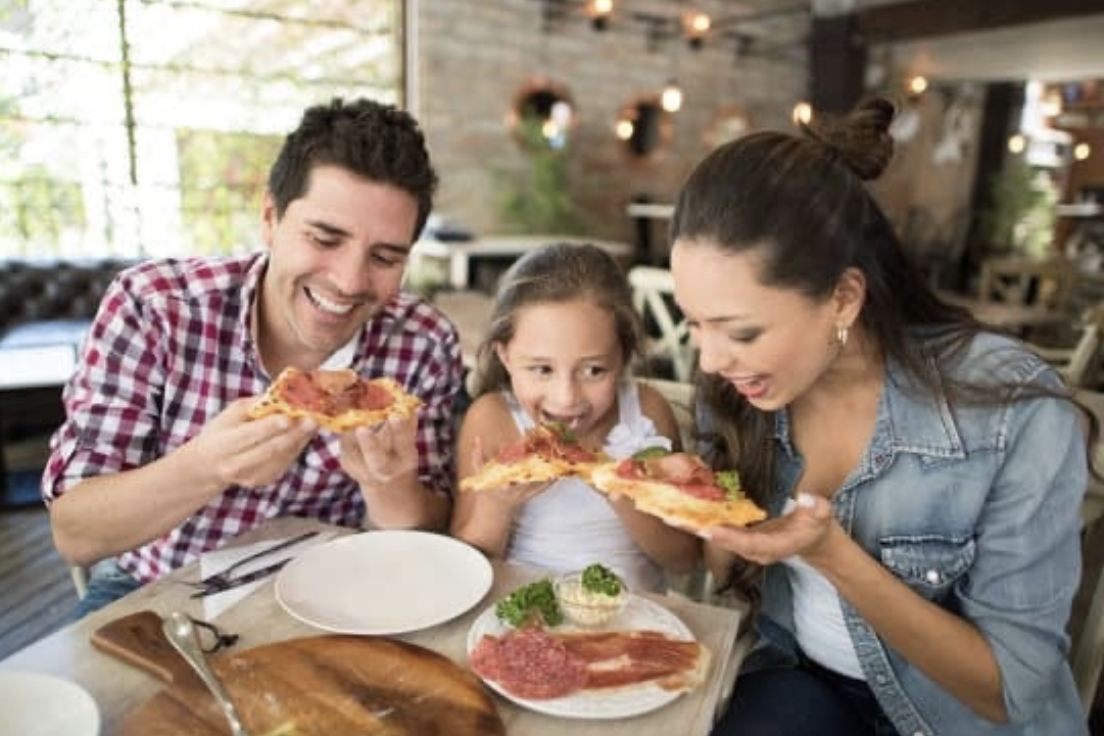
(680, 488)
(338, 400)
(543, 453)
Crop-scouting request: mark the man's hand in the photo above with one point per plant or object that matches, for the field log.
(233, 449)
(378, 456)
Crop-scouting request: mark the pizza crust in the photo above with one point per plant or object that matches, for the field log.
(272, 402)
(532, 469)
(672, 505)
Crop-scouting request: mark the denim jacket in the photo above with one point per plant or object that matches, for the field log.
(976, 509)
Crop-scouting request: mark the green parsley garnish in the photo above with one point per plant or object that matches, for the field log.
(536, 599)
(562, 430)
(600, 579)
(729, 480)
(649, 453)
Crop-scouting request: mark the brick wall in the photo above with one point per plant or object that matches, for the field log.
(474, 55)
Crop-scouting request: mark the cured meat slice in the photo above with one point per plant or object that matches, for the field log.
(530, 664)
(535, 664)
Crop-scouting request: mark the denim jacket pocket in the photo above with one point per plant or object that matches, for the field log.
(929, 563)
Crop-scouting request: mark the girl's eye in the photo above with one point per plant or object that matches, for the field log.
(595, 371)
(540, 370)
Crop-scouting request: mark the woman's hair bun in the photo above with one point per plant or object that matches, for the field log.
(861, 139)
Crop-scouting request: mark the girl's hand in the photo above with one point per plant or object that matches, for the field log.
(378, 456)
(508, 497)
(803, 532)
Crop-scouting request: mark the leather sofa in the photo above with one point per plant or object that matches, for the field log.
(46, 308)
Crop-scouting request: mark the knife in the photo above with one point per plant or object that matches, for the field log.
(241, 580)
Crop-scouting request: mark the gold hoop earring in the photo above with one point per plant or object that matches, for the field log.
(842, 331)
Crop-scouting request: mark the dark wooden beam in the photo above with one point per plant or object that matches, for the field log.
(924, 18)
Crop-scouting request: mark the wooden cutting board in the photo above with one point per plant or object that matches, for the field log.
(325, 685)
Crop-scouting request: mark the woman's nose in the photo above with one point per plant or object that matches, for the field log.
(711, 358)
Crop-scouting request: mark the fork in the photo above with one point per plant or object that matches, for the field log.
(224, 578)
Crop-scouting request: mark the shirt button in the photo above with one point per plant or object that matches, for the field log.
(932, 576)
(881, 679)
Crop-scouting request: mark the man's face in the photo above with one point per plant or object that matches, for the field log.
(336, 256)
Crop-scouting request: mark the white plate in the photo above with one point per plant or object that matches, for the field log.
(383, 582)
(639, 613)
(33, 704)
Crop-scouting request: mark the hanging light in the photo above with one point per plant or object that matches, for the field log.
(624, 129)
(802, 113)
(917, 84)
(671, 97)
(599, 12)
(1017, 144)
(1082, 151)
(696, 25)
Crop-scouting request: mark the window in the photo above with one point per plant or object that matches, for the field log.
(146, 127)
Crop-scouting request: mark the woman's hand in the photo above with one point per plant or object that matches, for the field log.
(805, 532)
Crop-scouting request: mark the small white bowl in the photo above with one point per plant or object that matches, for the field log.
(584, 607)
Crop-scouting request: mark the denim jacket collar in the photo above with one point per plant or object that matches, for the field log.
(908, 420)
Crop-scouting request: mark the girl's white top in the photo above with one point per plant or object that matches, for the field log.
(571, 525)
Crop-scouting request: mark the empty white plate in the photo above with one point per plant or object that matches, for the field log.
(33, 704)
(384, 582)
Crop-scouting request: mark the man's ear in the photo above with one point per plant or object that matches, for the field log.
(849, 296)
(269, 219)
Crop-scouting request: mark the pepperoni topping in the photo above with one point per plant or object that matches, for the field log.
(546, 443)
(333, 393)
(678, 469)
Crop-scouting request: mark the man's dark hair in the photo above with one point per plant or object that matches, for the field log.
(376, 141)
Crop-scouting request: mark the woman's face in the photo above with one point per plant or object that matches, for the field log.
(771, 344)
(564, 362)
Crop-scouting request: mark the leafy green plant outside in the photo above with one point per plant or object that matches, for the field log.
(1022, 210)
(539, 201)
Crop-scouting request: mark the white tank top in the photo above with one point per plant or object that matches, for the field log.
(570, 525)
(819, 627)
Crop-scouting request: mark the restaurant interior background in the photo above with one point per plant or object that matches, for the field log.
(143, 128)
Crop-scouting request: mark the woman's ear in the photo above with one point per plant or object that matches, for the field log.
(849, 296)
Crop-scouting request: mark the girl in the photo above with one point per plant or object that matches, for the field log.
(563, 335)
(924, 476)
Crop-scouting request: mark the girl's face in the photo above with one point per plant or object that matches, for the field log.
(564, 362)
(771, 344)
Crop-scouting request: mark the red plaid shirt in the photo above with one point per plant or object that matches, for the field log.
(171, 347)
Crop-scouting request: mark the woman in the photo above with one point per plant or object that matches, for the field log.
(923, 476)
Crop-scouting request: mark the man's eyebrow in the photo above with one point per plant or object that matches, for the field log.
(328, 228)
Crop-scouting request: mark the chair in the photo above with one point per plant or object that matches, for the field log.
(652, 288)
(1081, 364)
(1087, 651)
(1027, 281)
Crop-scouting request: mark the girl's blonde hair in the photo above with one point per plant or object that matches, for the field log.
(551, 275)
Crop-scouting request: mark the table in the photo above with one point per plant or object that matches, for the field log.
(118, 688)
(1005, 316)
(460, 253)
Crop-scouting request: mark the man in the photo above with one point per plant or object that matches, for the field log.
(157, 460)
